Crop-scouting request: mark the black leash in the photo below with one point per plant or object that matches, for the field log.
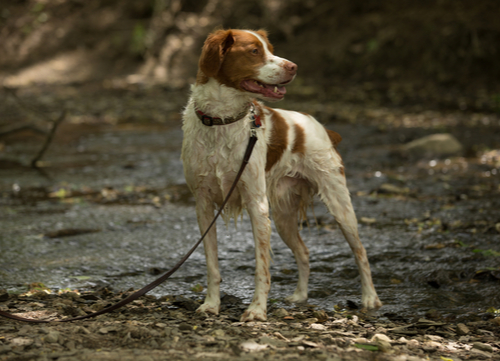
(157, 282)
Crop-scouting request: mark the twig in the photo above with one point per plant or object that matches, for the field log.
(19, 128)
(25, 105)
(48, 140)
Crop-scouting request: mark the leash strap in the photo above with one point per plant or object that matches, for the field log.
(157, 282)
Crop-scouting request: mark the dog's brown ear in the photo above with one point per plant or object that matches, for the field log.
(265, 35)
(262, 33)
(214, 49)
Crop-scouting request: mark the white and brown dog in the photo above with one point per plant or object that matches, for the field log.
(294, 159)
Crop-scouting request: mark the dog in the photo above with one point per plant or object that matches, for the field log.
(294, 158)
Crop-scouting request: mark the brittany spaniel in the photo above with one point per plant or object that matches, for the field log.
(294, 159)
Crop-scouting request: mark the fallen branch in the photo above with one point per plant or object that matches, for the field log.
(48, 140)
(20, 128)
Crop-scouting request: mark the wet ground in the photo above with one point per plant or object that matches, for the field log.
(115, 210)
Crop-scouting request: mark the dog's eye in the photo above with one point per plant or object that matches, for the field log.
(255, 51)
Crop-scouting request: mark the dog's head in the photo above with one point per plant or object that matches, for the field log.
(244, 60)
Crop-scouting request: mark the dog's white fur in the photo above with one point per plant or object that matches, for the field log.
(307, 163)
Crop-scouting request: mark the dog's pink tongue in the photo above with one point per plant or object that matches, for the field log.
(276, 89)
(270, 91)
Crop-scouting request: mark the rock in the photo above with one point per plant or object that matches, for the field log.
(21, 341)
(432, 313)
(318, 326)
(431, 346)
(480, 355)
(482, 346)
(382, 341)
(462, 329)
(280, 313)
(387, 188)
(311, 320)
(184, 302)
(433, 146)
(265, 340)
(185, 327)
(320, 315)
(434, 338)
(5, 349)
(52, 337)
(413, 344)
(219, 333)
(252, 346)
(496, 320)
(367, 220)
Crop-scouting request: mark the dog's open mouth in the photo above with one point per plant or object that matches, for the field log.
(274, 91)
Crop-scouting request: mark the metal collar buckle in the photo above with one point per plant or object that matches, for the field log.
(207, 120)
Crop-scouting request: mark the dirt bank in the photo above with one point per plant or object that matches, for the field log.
(168, 328)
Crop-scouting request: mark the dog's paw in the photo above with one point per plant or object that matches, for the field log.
(208, 308)
(371, 302)
(296, 298)
(254, 314)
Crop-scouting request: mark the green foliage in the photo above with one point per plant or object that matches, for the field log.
(38, 7)
(197, 288)
(496, 102)
(372, 45)
(366, 347)
(488, 252)
(138, 41)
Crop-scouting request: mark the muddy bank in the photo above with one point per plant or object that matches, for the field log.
(167, 327)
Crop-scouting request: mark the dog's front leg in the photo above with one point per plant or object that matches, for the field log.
(205, 214)
(258, 209)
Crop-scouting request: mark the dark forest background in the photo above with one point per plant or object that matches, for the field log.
(441, 53)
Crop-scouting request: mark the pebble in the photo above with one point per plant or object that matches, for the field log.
(382, 341)
(280, 313)
(265, 340)
(189, 338)
(5, 349)
(52, 337)
(185, 327)
(462, 329)
(219, 333)
(482, 346)
(435, 145)
(431, 346)
(320, 315)
(480, 355)
(496, 320)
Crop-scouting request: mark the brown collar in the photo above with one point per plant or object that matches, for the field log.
(209, 121)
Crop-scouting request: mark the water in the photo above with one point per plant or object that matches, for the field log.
(126, 184)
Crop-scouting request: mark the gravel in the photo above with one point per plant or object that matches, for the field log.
(167, 328)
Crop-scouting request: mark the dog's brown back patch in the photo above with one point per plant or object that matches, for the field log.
(278, 141)
(299, 145)
(335, 137)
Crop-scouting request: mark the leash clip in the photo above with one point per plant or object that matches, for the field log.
(253, 132)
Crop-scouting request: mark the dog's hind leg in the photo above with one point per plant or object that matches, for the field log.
(285, 208)
(205, 213)
(333, 191)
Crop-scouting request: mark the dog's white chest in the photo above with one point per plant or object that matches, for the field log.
(212, 157)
